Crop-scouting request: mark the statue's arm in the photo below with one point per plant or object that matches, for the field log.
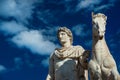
(84, 59)
(84, 64)
(50, 75)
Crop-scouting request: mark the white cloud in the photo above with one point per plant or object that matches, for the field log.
(34, 41)
(45, 62)
(21, 10)
(79, 30)
(2, 69)
(95, 5)
(50, 33)
(103, 7)
(12, 27)
(88, 4)
(47, 16)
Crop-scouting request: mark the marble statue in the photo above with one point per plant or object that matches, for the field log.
(102, 66)
(68, 62)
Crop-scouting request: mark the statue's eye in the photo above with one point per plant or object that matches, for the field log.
(62, 33)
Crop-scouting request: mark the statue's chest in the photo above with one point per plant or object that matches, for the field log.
(65, 63)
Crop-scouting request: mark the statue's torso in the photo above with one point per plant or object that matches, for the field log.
(66, 68)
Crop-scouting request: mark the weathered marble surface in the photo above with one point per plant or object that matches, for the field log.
(68, 62)
(102, 66)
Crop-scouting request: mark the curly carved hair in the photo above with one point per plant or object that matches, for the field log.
(66, 30)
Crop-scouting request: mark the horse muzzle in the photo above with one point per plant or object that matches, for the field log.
(101, 37)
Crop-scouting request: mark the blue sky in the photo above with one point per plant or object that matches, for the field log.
(28, 32)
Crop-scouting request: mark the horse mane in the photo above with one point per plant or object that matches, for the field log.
(99, 15)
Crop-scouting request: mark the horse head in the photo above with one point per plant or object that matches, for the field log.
(99, 24)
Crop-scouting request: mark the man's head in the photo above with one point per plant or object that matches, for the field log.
(64, 34)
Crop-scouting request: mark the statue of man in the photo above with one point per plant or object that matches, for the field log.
(68, 62)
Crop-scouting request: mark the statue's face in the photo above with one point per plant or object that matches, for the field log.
(63, 37)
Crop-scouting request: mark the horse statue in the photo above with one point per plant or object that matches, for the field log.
(102, 65)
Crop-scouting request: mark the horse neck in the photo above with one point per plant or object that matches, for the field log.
(97, 43)
(99, 47)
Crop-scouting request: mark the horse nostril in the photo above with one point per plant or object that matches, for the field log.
(98, 32)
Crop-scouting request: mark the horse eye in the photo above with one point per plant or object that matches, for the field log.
(97, 26)
(93, 22)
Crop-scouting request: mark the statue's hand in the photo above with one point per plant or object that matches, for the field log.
(85, 58)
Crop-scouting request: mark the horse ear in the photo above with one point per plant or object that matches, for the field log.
(106, 17)
(92, 14)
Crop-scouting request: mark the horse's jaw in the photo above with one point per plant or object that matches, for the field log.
(98, 37)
